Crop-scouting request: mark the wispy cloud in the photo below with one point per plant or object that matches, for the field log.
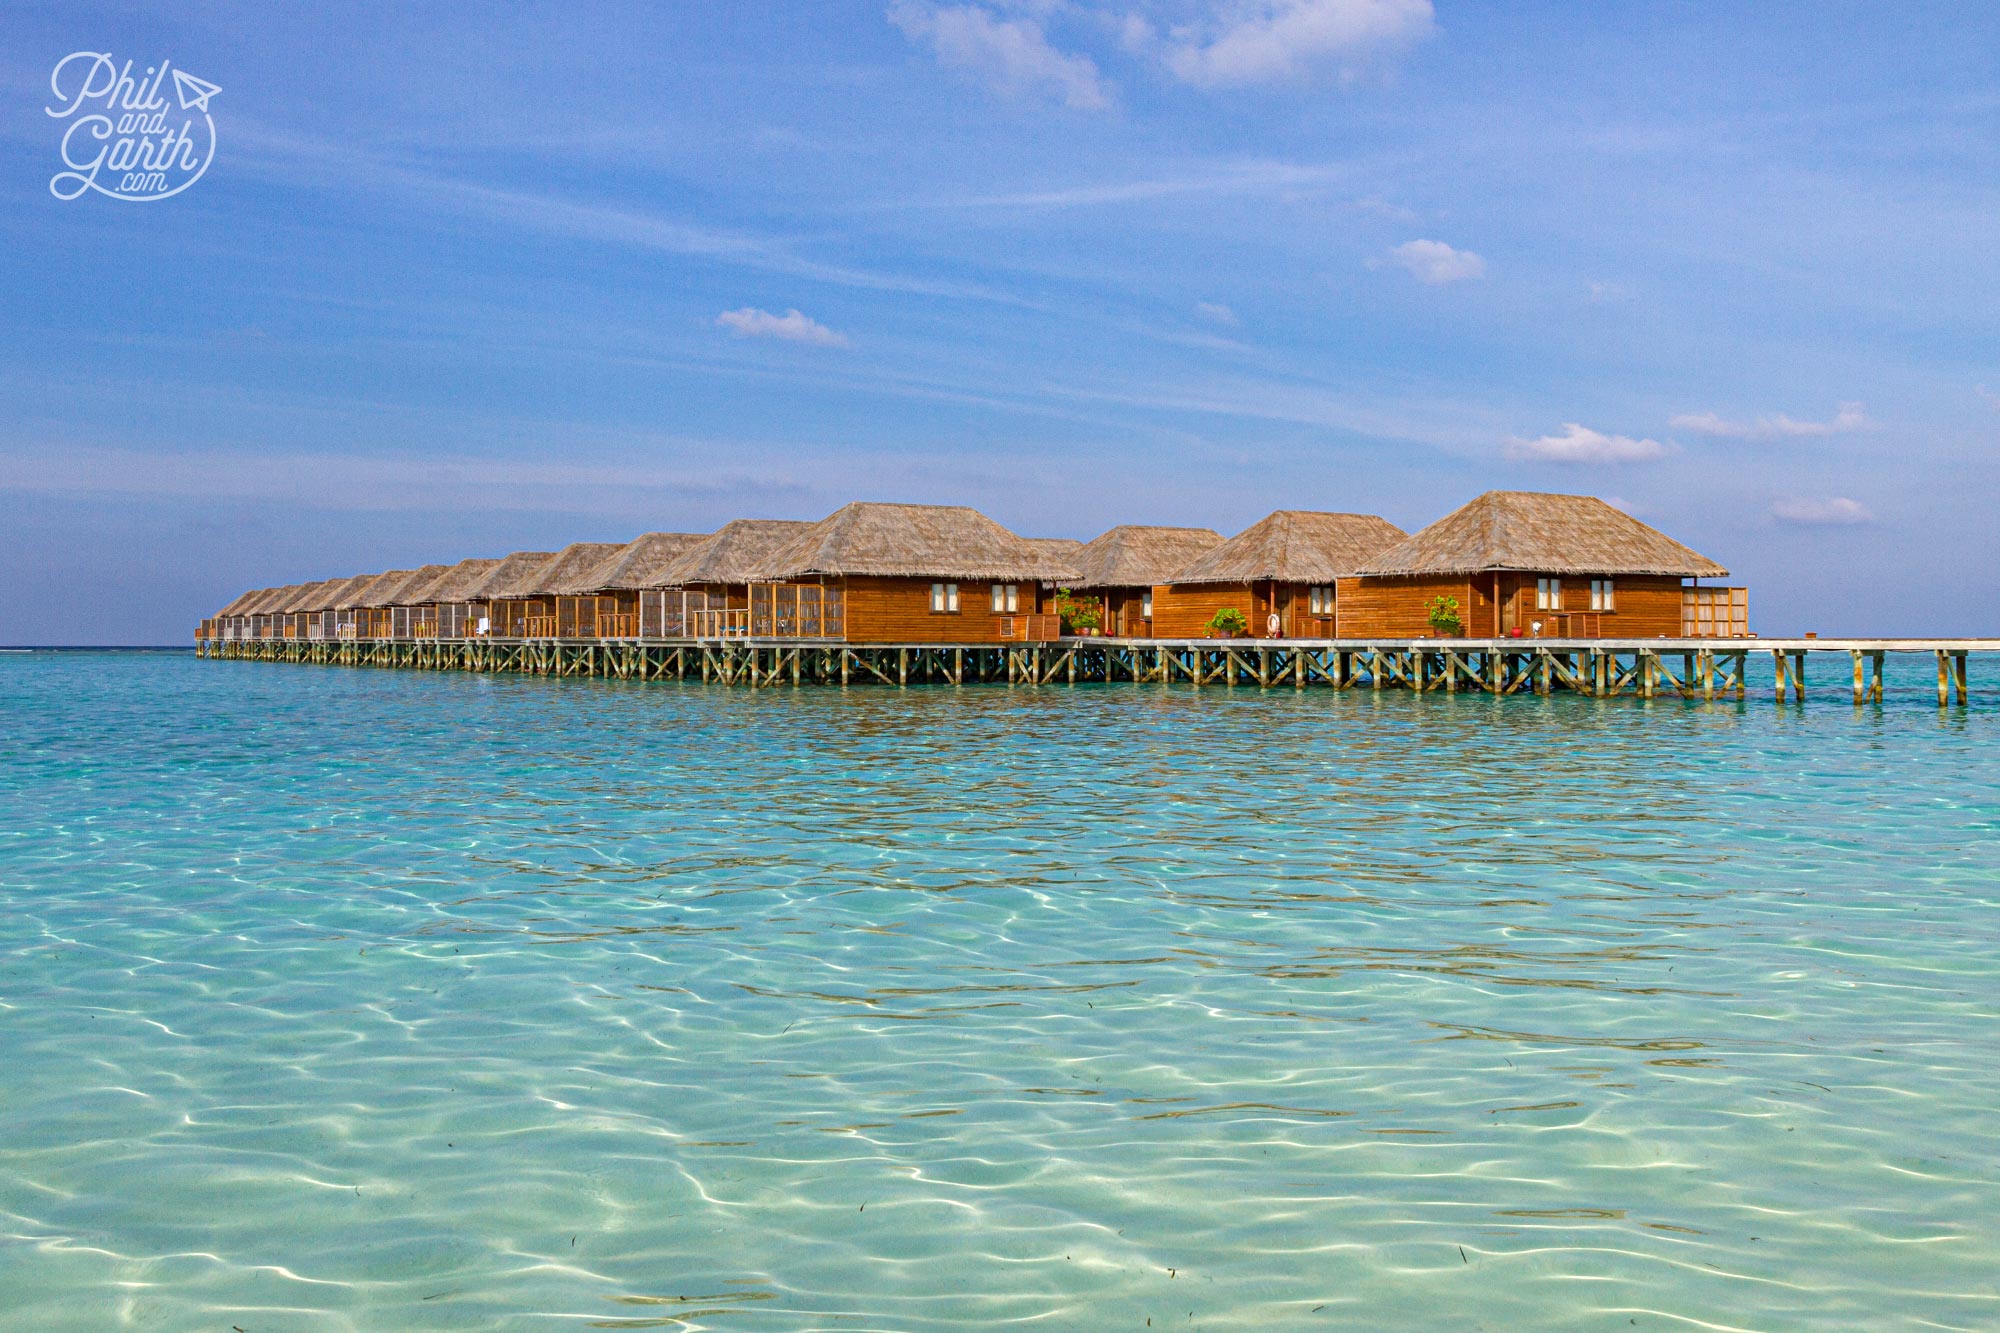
(791, 327)
(1254, 177)
(1218, 312)
(1777, 426)
(1277, 41)
(1580, 444)
(1433, 262)
(337, 166)
(1010, 55)
(1834, 511)
(623, 488)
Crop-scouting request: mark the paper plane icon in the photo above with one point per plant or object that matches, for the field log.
(194, 93)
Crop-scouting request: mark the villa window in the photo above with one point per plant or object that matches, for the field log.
(1006, 598)
(944, 598)
(1146, 605)
(1548, 594)
(1600, 595)
(1320, 601)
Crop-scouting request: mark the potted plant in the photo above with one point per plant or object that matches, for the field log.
(1080, 615)
(1445, 622)
(1228, 623)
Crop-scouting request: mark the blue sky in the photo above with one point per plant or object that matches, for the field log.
(459, 286)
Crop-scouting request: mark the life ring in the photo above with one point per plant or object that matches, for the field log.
(1273, 624)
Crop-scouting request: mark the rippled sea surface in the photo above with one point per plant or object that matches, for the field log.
(368, 999)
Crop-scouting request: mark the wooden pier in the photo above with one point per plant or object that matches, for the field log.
(1600, 668)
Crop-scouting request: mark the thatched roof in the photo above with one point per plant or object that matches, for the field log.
(636, 564)
(502, 581)
(459, 580)
(389, 592)
(244, 601)
(341, 589)
(574, 565)
(1544, 534)
(736, 552)
(378, 590)
(1061, 556)
(270, 601)
(418, 589)
(1139, 557)
(911, 541)
(310, 596)
(1294, 546)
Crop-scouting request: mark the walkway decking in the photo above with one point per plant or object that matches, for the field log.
(1604, 668)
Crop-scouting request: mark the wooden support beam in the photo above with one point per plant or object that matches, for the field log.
(1958, 674)
(1875, 689)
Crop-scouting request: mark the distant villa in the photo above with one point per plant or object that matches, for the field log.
(1509, 563)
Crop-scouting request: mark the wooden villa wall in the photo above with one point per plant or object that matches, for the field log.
(1645, 606)
(884, 610)
(1400, 608)
(1183, 610)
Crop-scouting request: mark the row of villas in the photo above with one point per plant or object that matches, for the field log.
(1513, 562)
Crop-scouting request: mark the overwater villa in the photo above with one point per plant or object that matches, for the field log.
(706, 591)
(550, 609)
(887, 573)
(1120, 569)
(444, 609)
(1279, 573)
(1565, 566)
(410, 607)
(493, 606)
(606, 600)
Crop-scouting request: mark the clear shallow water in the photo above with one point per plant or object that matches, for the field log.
(343, 998)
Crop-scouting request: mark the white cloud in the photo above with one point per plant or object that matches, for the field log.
(1011, 55)
(1837, 511)
(1602, 293)
(1272, 41)
(1433, 262)
(1774, 427)
(791, 327)
(1580, 444)
(1221, 314)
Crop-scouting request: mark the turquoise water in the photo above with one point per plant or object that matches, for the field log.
(365, 999)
